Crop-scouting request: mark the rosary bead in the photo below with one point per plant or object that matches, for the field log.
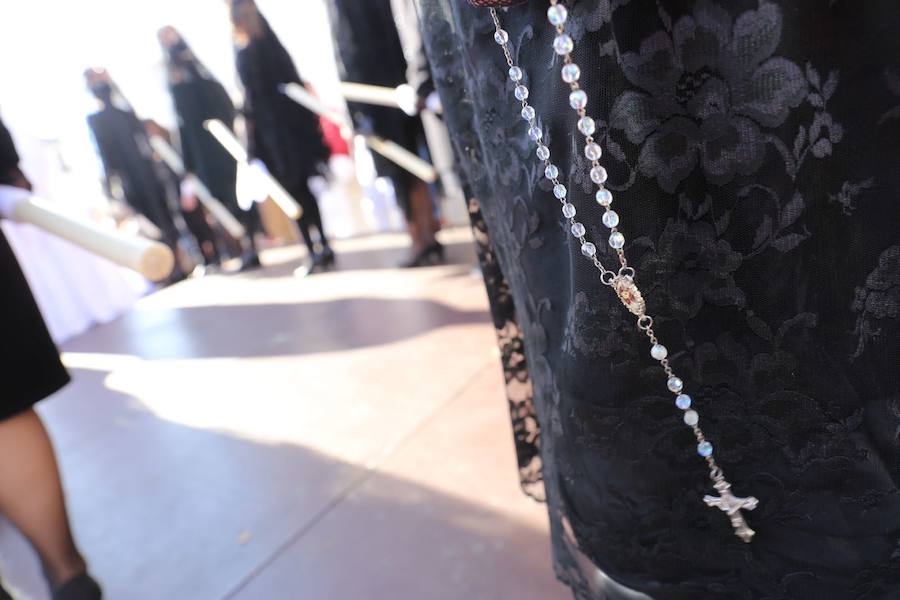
(704, 449)
(592, 151)
(604, 197)
(691, 418)
(515, 73)
(578, 230)
(568, 210)
(616, 240)
(611, 219)
(528, 113)
(551, 172)
(588, 249)
(571, 73)
(658, 351)
(563, 44)
(543, 152)
(535, 133)
(559, 190)
(557, 14)
(578, 99)
(599, 175)
(586, 125)
(675, 384)
(501, 37)
(521, 92)
(683, 401)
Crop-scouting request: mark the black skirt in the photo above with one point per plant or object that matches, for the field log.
(29, 361)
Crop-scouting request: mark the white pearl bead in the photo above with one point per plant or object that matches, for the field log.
(659, 352)
(515, 73)
(501, 37)
(691, 417)
(586, 125)
(563, 44)
(578, 230)
(571, 73)
(568, 210)
(599, 175)
(527, 113)
(535, 133)
(610, 218)
(616, 240)
(559, 190)
(557, 14)
(551, 172)
(588, 249)
(521, 92)
(592, 151)
(604, 197)
(543, 152)
(578, 99)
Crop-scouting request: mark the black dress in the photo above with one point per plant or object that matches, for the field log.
(29, 362)
(285, 136)
(370, 52)
(752, 149)
(127, 157)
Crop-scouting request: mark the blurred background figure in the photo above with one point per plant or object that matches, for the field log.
(131, 174)
(370, 52)
(197, 97)
(286, 137)
(31, 495)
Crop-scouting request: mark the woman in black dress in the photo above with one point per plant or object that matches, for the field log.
(285, 136)
(198, 97)
(31, 494)
(752, 150)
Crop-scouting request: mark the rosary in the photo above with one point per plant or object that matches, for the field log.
(620, 280)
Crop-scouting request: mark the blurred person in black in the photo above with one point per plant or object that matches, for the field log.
(31, 494)
(285, 136)
(127, 158)
(370, 52)
(198, 97)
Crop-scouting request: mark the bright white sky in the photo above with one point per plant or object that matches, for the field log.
(45, 45)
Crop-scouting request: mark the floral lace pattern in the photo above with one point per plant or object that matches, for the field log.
(752, 150)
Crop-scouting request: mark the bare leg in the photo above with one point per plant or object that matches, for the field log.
(422, 214)
(31, 495)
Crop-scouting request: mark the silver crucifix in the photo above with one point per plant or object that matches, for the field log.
(732, 506)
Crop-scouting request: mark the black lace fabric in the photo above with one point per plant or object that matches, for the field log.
(753, 150)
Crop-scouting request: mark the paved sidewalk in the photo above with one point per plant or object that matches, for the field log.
(258, 436)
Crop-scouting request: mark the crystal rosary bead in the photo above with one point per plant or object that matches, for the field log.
(528, 113)
(521, 92)
(559, 190)
(515, 73)
(535, 133)
(588, 249)
(704, 449)
(604, 197)
(571, 73)
(683, 401)
(551, 172)
(568, 210)
(578, 99)
(658, 351)
(691, 418)
(610, 218)
(578, 230)
(557, 14)
(501, 37)
(563, 44)
(586, 125)
(599, 175)
(675, 384)
(616, 240)
(593, 152)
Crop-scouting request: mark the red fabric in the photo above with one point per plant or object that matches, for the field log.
(331, 133)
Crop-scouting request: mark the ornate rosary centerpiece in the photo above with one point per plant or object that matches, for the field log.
(621, 279)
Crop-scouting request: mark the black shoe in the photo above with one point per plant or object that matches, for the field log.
(249, 261)
(432, 254)
(80, 587)
(326, 258)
